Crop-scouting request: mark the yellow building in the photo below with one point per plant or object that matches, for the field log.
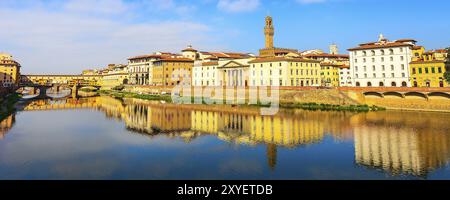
(9, 71)
(284, 71)
(172, 71)
(428, 68)
(116, 75)
(330, 74)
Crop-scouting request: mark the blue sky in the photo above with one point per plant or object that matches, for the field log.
(66, 36)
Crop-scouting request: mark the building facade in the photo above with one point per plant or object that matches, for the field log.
(115, 76)
(428, 68)
(345, 76)
(382, 64)
(284, 71)
(172, 71)
(9, 71)
(140, 69)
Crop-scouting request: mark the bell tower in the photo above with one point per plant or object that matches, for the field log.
(269, 32)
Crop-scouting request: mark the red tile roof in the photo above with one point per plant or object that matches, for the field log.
(275, 59)
(380, 45)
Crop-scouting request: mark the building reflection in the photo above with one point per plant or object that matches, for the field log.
(6, 124)
(389, 141)
(402, 145)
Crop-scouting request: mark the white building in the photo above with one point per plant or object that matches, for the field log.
(218, 68)
(382, 64)
(140, 69)
(345, 76)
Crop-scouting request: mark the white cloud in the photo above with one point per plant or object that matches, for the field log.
(97, 6)
(238, 5)
(310, 1)
(78, 37)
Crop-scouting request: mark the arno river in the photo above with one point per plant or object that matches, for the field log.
(107, 138)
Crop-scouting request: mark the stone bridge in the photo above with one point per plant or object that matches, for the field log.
(73, 82)
(402, 92)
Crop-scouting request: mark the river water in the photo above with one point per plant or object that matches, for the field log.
(108, 138)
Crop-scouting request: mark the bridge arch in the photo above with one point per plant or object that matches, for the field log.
(373, 94)
(393, 94)
(438, 95)
(415, 94)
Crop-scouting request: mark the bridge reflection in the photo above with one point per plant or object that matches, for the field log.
(389, 141)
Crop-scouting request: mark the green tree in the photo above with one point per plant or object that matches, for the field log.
(447, 76)
(447, 73)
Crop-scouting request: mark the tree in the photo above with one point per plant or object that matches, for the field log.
(447, 76)
(447, 73)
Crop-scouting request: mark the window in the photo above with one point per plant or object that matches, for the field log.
(439, 70)
(392, 75)
(432, 70)
(403, 75)
(426, 70)
(373, 59)
(365, 75)
(373, 68)
(392, 67)
(392, 58)
(420, 70)
(383, 67)
(365, 68)
(382, 59)
(372, 52)
(403, 66)
(401, 49)
(364, 53)
(281, 72)
(391, 51)
(382, 52)
(364, 60)
(413, 70)
(356, 60)
(374, 75)
(402, 58)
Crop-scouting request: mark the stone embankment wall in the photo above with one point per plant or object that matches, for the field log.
(337, 97)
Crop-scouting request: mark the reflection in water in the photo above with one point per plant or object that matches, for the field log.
(392, 142)
(400, 144)
(6, 125)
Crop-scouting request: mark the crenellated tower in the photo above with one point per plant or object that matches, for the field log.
(269, 32)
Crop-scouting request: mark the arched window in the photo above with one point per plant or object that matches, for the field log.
(381, 84)
(358, 84)
(404, 84)
(415, 83)
(369, 84)
(393, 84)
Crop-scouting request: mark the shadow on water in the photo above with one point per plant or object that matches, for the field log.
(391, 143)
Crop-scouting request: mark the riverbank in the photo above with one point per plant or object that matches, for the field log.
(284, 104)
(7, 105)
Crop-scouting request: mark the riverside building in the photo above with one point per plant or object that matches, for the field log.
(383, 63)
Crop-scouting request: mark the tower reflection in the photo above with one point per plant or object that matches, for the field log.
(393, 142)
